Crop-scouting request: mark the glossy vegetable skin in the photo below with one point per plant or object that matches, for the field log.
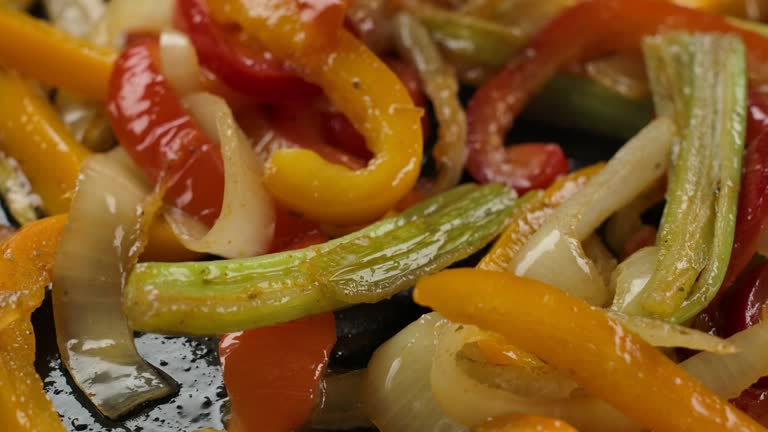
(25, 267)
(743, 306)
(160, 135)
(34, 135)
(273, 373)
(242, 66)
(752, 214)
(605, 359)
(368, 265)
(361, 87)
(31, 46)
(697, 228)
(50, 157)
(614, 25)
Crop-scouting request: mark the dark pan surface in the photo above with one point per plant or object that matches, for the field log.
(193, 362)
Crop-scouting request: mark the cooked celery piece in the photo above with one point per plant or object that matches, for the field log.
(215, 297)
(469, 39)
(553, 254)
(442, 86)
(578, 102)
(567, 100)
(699, 81)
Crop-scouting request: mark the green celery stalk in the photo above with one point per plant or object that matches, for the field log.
(469, 39)
(577, 102)
(700, 81)
(203, 298)
(567, 100)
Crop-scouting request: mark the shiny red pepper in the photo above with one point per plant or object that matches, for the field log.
(585, 30)
(742, 308)
(239, 63)
(752, 215)
(160, 136)
(273, 374)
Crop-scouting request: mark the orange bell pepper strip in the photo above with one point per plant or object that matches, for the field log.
(273, 373)
(566, 332)
(40, 51)
(613, 25)
(531, 216)
(26, 263)
(361, 86)
(524, 424)
(32, 133)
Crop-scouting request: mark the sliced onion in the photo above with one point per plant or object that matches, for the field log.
(397, 391)
(730, 374)
(632, 170)
(664, 334)
(125, 16)
(341, 407)
(629, 279)
(628, 221)
(598, 253)
(246, 224)
(470, 402)
(179, 62)
(559, 260)
(76, 17)
(105, 233)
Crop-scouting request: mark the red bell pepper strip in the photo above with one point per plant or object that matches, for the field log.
(752, 215)
(161, 137)
(742, 308)
(273, 374)
(240, 65)
(585, 30)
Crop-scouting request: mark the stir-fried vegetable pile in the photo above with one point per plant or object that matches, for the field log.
(244, 169)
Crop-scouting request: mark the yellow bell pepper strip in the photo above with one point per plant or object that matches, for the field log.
(41, 52)
(32, 133)
(566, 332)
(361, 86)
(533, 211)
(524, 424)
(16, 4)
(26, 261)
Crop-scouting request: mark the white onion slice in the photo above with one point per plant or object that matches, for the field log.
(634, 168)
(179, 63)
(664, 334)
(470, 402)
(730, 374)
(597, 252)
(76, 17)
(559, 260)
(629, 279)
(125, 16)
(104, 235)
(246, 224)
(397, 391)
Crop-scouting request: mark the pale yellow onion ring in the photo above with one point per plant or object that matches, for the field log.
(397, 392)
(246, 224)
(105, 233)
(178, 61)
